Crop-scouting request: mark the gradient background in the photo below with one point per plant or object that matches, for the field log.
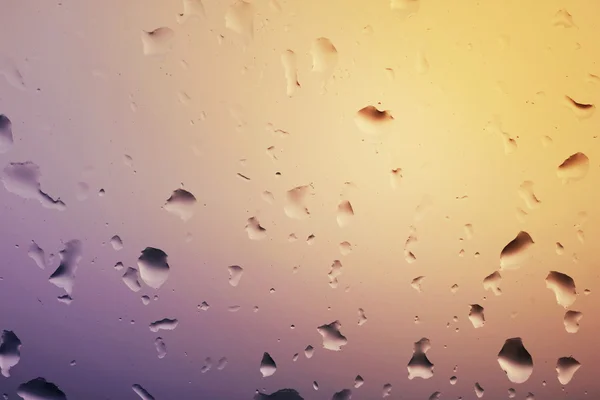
(500, 63)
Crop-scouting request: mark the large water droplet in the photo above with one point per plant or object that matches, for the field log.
(563, 287)
(419, 365)
(157, 42)
(492, 282)
(153, 266)
(40, 389)
(573, 168)
(235, 274)
(332, 337)
(515, 252)
(296, 198)
(10, 352)
(571, 321)
(165, 324)
(372, 121)
(182, 204)
(254, 230)
(267, 365)
(23, 179)
(476, 316)
(131, 278)
(566, 368)
(64, 276)
(240, 18)
(515, 360)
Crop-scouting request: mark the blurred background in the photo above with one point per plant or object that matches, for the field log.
(337, 174)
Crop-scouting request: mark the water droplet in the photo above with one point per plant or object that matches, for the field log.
(153, 267)
(254, 230)
(566, 368)
(6, 135)
(296, 198)
(372, 121)
(166, 324)
(390, 73)
(530, 396)
(290, 69)
(222, 363)
(396, 178)
(40, 389)
(240, 18)
(560, 250)
(131, 279)
(345, 248)
(324, 56)
(581, 110)
(207, 365)
(362, 318)
(309, 351)
(235, 274)
(334, 273)
(332, 337)
(416, 283)
(204, 306)
(511, 393)
(515, 360)
(435, 396)
(267, 365)
(387, 390)
(64, 276)
(526, 193)
(145, 300)
(161, 347)
(345, 212)
(454, 288)
(10, 352)
(563, 19)
(116, 243)
(419, 365)
(37, 254)
(191, 8)
(573, 168)
(546, 141)
(157, 42)
(405, 8)
(268, 197)
(563, 287)
(143, 393)
(476, 316)
(315, 385)
(492, 282)
(23, 179)
(181, 203)
(358, 381)
(345, 394)
(11, 73)
(515, 252)
(469, 231)
(479, 391)
(453, 380)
